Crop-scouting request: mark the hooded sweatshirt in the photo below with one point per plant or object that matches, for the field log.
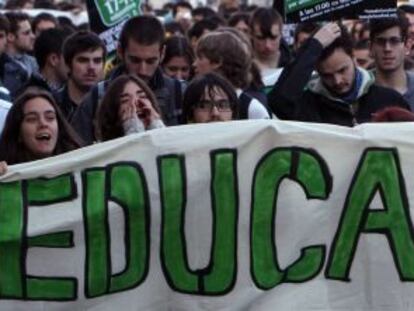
(300, 96)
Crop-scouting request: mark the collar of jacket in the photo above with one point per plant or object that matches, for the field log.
(316, 86)
(51, 87)
(156, 81)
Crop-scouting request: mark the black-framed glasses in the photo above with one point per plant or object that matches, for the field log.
(392, 41)
(208, 105)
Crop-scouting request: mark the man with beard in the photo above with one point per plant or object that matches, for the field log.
(84, 54)
(341, 94)
(12, 73)
(140, 50)
(20, 40)
(388, 48)
(52, 73)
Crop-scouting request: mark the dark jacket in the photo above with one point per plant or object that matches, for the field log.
(12, 75)
(65, 103)
(296, 96)
(285, 53)
(38, 81)
(167, 91)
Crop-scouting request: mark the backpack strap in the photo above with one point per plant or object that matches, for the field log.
(245, 99)
(179, 100)
(244, 102)
(98, 93)
(101, 89)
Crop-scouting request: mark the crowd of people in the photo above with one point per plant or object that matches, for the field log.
(194, 65)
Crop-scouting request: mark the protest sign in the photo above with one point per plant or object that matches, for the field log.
(248, 215)
(108, 16)
(296, 11)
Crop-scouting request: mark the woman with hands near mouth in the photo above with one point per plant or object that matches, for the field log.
(35, 129)
(129, 106)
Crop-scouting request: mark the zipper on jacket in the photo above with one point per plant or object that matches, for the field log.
(353, 108)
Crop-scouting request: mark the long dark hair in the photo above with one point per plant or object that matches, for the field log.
(109, 126)
(12, 149)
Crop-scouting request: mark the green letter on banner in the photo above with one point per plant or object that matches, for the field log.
(97, 269)
(129, 189)
(123, 183)
(44, 191)
(14, 201)
(12, 232)
(220, 275)
(310, 171)
(378, 172)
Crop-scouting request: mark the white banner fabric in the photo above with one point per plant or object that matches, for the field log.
(246, 215)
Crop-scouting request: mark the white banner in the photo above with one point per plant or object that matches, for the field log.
(248, 215)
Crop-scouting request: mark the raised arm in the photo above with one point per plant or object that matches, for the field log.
(287, 94)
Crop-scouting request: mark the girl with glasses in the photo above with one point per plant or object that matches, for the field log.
(210, 98)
